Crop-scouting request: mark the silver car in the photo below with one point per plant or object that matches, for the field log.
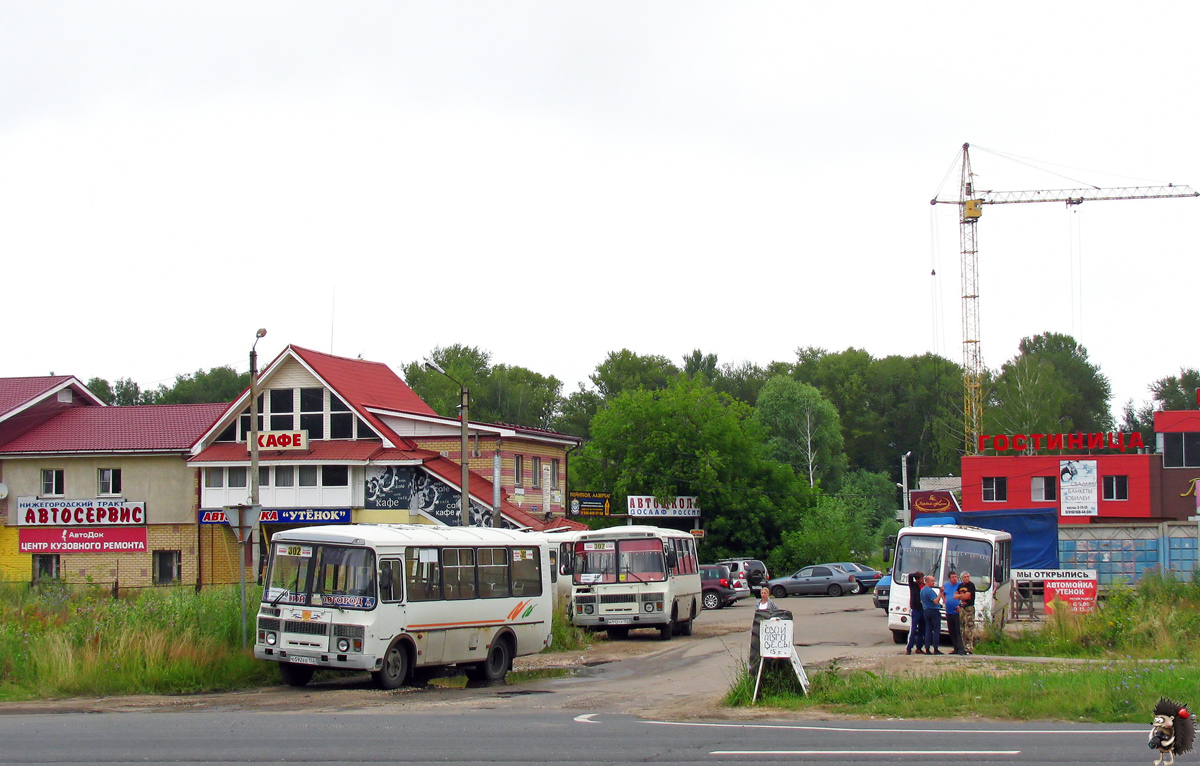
(813, 580)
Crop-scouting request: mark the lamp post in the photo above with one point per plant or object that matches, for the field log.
(904, 486)
(465, 490)
(242, 531)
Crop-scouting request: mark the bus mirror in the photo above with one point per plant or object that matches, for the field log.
(672, 559)
(887, 555)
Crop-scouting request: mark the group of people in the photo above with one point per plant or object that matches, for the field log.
(926, 600)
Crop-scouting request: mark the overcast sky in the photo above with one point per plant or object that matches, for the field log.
(555, 181)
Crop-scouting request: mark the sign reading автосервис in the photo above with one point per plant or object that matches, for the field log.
(32, 512)
(683, 506)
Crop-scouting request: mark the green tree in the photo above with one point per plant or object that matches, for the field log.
(829, 531)
(1028, 397)
(519, 396)
(1087, 390)
(1177, 392)
(804, 429)
(577, 411)
(219, 384)
(126, 393)
(698, 363)
(626, 371)
(873, 499)
(467, 364)
(101, 388)
(686, 439)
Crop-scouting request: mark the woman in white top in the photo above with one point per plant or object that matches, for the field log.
(766, 604)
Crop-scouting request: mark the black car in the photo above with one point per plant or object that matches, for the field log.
(865, 576)
(883, 590)
(716, 586)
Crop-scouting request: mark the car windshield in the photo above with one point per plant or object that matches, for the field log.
(321, 575)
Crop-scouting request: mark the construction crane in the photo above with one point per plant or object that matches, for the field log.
(970, 203)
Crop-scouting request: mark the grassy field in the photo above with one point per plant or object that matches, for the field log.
(1143, 642)
(58, 640)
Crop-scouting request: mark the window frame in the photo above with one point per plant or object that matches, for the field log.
(997, 486)
(113, 482)
(54, 558)
(56, 480)
(1115, 487)
(518, 470)
(1046, 483)
(176, 565)
(536, 472)
(554, 473)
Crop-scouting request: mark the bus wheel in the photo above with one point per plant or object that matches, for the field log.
(618, 634)
(666, 631)
(295, 675)
(685, 629)
(497, 664)
(395, 668)
(900, 636)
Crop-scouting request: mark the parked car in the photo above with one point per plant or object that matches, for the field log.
(865, 576)
(741, 587)
(716, 586)
(883, 589)
(819, 578)
(753, 570)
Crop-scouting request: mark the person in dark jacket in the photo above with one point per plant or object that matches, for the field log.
(916, 632)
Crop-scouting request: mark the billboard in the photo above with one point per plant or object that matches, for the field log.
(1078, 485)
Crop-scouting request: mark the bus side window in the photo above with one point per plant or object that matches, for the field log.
(526, 572)
(422, 575)
(391, 581)
(553, 564)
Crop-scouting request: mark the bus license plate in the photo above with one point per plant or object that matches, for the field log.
(300, 659)
(618, 622)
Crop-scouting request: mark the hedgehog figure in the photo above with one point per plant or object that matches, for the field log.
(1173, 732)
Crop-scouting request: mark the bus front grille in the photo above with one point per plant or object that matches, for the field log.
(618, 598)
(307, 628)
(348, 631)
(268, 623)
(585, 599)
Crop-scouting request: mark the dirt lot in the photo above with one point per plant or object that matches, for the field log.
(682, 678)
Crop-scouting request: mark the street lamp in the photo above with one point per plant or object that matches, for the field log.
(904, 486)
(465, 490)
(242, 521)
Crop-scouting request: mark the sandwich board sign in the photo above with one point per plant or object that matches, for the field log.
(775, 643)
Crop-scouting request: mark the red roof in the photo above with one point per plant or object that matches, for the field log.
(318, 451)
(481, 489)
(155, 428)
(1176, 421)
(15, 392)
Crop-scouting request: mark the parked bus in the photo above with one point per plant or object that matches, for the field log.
(390, 597)
(562, 550)
(632, 577)
(940, 550)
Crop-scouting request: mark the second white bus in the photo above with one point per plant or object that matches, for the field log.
(387, 598)
(630, 577)
(940, 550)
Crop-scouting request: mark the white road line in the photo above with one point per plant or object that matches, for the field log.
(867, 730)
(866, 752)
(587, 718)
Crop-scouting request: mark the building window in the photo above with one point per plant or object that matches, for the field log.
(536, 479)
(264, 476)
(1181, 450)
(53, 480)
(995, 489)
(168, 567)
(282, 406)
(308, 475)
(312, 412)
(237, 476)
(110, 481)
(335, 476)
(1116, 487)
(214, 477)
(554, 473)
(45, 567)
(518, 470)
(341, 419)
(285, 476)
(1044, 488)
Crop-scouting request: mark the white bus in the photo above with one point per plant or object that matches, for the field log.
(635, 577)
(940, 550)
(390, 597)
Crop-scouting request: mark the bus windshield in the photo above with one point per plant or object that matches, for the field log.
(321, 575)
(612, 561)
(917, 553)
(974, 556)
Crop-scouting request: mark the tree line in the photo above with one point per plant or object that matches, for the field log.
(793, 462)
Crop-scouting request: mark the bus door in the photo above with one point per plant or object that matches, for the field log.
(390, 618)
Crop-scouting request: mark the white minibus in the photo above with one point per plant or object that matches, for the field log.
(390, 597)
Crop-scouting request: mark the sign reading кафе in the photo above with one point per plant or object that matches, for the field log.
(32, 512)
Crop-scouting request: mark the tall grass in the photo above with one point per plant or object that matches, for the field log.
(58, 640)
(1157, 618)
(564, 636)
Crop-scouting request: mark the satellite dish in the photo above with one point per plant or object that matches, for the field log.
(3, 491)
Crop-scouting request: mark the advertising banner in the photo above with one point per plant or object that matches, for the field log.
(412, 489)
(83, 540)
(32, 512)
(590, 504)
(933, 501)
(683, 506)
(286, 516)
(1078, 485)
(1078, 595)
(282, 440)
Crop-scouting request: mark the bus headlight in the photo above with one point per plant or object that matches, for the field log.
(271, 639)
(649, 607)
(343, 644)
(589, 609)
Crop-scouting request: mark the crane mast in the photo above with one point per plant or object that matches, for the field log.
(970, 203)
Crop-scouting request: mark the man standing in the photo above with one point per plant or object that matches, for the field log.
(966, 611)
(931, 606)
(950, 599)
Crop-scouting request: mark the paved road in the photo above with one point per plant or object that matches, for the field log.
(503, 737)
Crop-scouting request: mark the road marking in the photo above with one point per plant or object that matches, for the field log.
(865, 729)
(866, 752)
(585, 718)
